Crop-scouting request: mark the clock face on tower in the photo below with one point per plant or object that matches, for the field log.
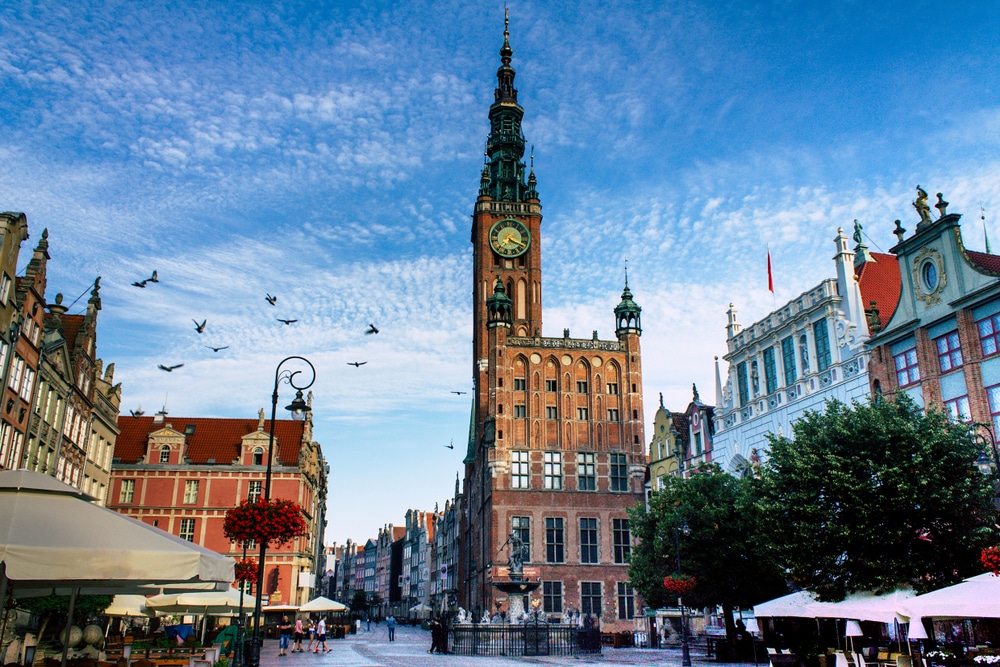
(509, 238)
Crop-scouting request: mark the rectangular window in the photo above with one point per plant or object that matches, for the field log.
(4, 288)
(581, 387)
(128, 489)
(190, 492)
(788, 360)
(989, 334)
(619, 472)
(993, 395)
(552, 597)
(15, 372)
(254, 491)
(519, 467)
(590, 598)
(626, 601)
(164, 454)
(949, 351)
(586, 478)
(958, 409)
(622, 539)
(554, 541)
(553, 470)
(588, 541)
(187, 530)
(770, 371)
(28, 384)
(550, 385)
(520, 384)
(551, 412)
(521, 526)
(613, 415)
(613, 388)
(582, 414)
(907, 371)
(742, 383)
(822, 335)
(520, 411)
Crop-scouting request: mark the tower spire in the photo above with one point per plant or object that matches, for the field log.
(505, 145)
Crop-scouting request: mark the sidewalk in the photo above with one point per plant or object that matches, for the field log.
(373, 649)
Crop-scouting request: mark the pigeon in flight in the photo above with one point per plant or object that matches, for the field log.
(270, 299)
(286, 321)
(450, 446)
(169, 369)
(137, 413)
(200, 328)
(216, 349)
(140, 283)
(372, 329)
(460, 392)
(153, 278)
(356, 364)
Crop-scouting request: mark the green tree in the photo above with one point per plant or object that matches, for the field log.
(54, 609)
(721, 550)
(874, 496)
(359, 603)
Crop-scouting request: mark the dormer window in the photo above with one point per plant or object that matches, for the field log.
(258, 457)
(164, 454)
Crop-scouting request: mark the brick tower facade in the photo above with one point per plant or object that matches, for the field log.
(556, 449)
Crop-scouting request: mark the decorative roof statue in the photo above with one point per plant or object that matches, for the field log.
(941, 206)
(923, 209)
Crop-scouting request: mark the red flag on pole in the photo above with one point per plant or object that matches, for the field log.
(770, 277)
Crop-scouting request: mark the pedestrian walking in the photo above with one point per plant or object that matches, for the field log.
(299, 633)
(284, 635)
(436, 632)
(321, 635)
(368, 620)
(391, 624)
(312, 635)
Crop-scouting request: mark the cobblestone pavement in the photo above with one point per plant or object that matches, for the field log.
(373, 649)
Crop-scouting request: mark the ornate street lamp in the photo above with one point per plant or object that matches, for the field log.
(298, 408)
(985, 465)
(685, 648)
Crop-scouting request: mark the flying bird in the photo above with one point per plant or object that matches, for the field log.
(286, 321)
(169, 369)
(450, 446)
(460, 392)
(140, 283)
(270, 299)
(216, 349)
(153, 278)
(372, 329)
(200, 328)
(356, 364)
(137, 413)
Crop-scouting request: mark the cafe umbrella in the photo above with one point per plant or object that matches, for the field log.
(55, 541)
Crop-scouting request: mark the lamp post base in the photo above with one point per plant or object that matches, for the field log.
(251, 652)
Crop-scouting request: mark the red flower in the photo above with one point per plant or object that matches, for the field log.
(990, 558)
(679, 584)
(261, 521)
(246, 570)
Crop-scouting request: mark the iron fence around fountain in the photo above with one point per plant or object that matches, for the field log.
(528, 640)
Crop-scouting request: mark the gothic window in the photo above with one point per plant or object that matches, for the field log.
(622, 539)
(552, 597)
(626, 601)
(619, 472)
(585, 472)
(519, 477)
(590, 598)
(553, 470)
(588, 541)
(554, 540)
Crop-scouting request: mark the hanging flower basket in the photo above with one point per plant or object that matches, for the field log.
(246, 570)
(990, 557)
(679, 584)
(262, 521)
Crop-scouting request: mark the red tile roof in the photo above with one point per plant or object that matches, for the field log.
(71, 327)
(213, 438)
(880, 282)
(988, 263)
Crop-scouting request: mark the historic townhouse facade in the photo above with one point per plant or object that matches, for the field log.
(181, 474)
(940, 345)
(557, 451)
(681, 441)
(807, 351)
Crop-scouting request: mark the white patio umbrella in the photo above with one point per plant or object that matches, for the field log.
(54, 541)
(128, 605)
(323, 604)
(976, 597)
(204, 604)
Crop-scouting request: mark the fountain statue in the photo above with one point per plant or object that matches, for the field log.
(516, 586)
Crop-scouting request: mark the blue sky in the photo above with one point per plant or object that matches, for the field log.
(329, 153)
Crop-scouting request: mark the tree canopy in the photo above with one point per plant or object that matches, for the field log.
(732, 567)
(875, 496)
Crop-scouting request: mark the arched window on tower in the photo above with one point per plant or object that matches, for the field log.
(258, 456)
(164, 454)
